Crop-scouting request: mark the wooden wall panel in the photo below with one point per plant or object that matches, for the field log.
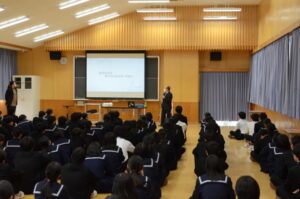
(276, 18)
(282, 121)
(3, 107)
(189, 32)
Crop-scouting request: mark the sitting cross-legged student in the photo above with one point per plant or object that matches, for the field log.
(51, 127)
(77, 138)
(13, 145)
(151, 125)
(241, 127)
(179, 115)
(62, 126)
(150, 167)
(49, 187)
(251, 126)
(213, 184)
(91, 134)
(78, 179)
(25, 124)
(60, 149)
(6, 190)
(291, 188)
(263, 141)
(95, 162)
(142, 183)
(8, 124)
(247, 188)
(29, 164)
(123, 188)
(39, 119)
(283, 160)
(139, 132)
(258, 126)
(114, 158)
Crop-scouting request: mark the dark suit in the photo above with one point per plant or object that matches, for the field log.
(166, 107)
(9, 95)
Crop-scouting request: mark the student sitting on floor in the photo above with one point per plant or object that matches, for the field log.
(213, 184)
(258, 126)
(78, 179)
(49, 187)
(123, 188)
(247, 188)
(95, 162)
(291, 188)
(142, 183)
(13, 145)
(60, 149)
(179, 115)
(25, 124)
(126, 146)
(283, 160)
(30, 164)
(6, 190)
(252, 126)
(62, 126)
(151, 125)
(51, 127)
(77, 138)
(263, 141)
(241, 127)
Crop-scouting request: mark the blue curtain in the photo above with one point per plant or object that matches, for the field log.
(8, 66)
(275, 76)
(223, 94)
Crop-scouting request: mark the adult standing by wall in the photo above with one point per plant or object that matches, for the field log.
(11, 98)
(166, 105)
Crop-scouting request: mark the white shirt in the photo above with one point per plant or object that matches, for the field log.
(126, 146)
(183, 126)
(251, 126)
(243, 126)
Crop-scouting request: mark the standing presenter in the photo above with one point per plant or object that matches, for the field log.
(11, 98)
(166, 105)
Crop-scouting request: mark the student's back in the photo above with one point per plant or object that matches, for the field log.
(78, 180)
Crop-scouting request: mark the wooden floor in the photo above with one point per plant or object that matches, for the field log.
(182, 181)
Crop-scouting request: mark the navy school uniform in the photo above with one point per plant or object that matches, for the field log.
(151, 170)
(65, 129)
(10, 174)
(59, 191)
(151, 126)
(12, 148)
(60, 151)
(49, 132)
(94, 134)
(27, 127)
(213, 189)
(145, 190)
(97, 166)
(265, 157)
(113, 160)
(259, 145)
(161, 168)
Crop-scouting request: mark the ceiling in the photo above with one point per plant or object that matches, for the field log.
(47, 11)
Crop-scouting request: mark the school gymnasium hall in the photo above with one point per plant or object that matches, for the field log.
(149, 99)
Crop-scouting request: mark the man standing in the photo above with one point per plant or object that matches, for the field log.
(166, 105)
(11, 98)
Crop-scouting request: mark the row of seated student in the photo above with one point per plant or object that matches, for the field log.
(273, 151)
(91, 156)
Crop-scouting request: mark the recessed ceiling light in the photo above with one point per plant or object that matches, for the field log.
(91, 10)
(31, 30)
(216, 18)
(149, 1)
(1, 9)
(13, 21)
(71, 3)
(155, 10)
(160, 18)
(222, 9)
(48, 35)
(103, 18)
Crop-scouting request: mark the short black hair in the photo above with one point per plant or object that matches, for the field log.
(282, 141)
(49, 111)
(178, 109)
(255, 117)
(149, 116)
(263, 116)
(242, 115)
(168, 88)
(110, 139)
(6, 190)
(247, 188)
(17, 131)
(22, 117)
(27, 143)
(11, 83)
(78, 155)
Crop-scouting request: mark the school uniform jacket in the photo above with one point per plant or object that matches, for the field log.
(60, 151)
(151, 126)
(113, 160)
(94, 134)
(12, 148)
(27, 127)
(49, 132)
(146, 191)
(151, 170)
(59, 191)
(217, 189)
(65, 129)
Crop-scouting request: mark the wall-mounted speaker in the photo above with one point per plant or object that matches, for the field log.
(55, 55)
(63, 60)
(215, 56)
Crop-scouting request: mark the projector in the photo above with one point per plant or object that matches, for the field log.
(107, 104)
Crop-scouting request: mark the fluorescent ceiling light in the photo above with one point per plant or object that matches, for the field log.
(91, 10)
(222, 9)
(103, 18)
(160, 18)
(48, 35)
(13, 21)
(31, 30)
(71, 3)
(149, 1)
(216, 18)
(1, 9)
(155, 10)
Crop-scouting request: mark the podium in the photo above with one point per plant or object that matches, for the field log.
(28, 95)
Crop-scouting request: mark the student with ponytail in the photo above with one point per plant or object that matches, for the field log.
(49, 188)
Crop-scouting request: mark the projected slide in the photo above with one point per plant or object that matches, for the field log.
(115, 75)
